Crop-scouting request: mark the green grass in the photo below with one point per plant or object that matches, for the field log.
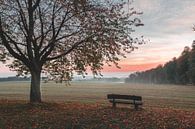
(153, 95)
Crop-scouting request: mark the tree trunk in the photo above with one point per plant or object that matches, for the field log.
(35, 91)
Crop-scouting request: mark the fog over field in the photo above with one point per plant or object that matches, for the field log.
(106, 77)
(4, 72)
(153, 95)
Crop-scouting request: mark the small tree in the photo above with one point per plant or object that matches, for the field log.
(57, 37)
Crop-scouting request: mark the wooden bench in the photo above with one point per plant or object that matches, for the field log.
(125, 99)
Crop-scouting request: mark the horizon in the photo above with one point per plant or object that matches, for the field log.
(105, 75)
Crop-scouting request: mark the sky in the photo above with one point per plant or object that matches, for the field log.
(168, 28)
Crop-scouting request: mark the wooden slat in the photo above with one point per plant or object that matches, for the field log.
(126, 102)
(128, 97)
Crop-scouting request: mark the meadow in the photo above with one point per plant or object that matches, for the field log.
(153, 95)
(83, 105)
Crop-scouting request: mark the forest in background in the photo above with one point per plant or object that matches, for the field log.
(179, 70)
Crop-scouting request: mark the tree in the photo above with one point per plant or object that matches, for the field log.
(192, 64)
(57, 37)
(170, 68)
(183, 66)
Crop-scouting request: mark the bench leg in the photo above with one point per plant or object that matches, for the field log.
(114, 105)
(136, 107)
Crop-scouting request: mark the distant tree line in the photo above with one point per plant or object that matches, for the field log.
(14, 78)
(179, 70)
(103, 79)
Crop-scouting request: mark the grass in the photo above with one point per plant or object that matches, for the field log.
(84, 106)
(153, 95)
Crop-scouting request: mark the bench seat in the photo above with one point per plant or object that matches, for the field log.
(125, 102)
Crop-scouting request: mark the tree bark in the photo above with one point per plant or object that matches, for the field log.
(35, 91)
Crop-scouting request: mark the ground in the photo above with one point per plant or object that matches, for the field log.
(20, 115)
(84, 106)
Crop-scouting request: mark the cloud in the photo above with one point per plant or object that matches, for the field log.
(168, 24)
(147, 6)
(162, 17)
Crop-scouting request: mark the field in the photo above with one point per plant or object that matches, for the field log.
(153, 95)
(84, 105)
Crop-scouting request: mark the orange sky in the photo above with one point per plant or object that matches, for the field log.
(130, 68)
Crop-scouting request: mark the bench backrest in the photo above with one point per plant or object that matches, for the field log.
(129, 97)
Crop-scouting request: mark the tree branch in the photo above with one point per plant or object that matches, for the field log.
(36, 4)
(15, 44)
(42, 32)
(69, 50)
(30, 32)
(22, 15)
(9, 48)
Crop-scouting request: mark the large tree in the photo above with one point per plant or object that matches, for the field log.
(59, 37)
